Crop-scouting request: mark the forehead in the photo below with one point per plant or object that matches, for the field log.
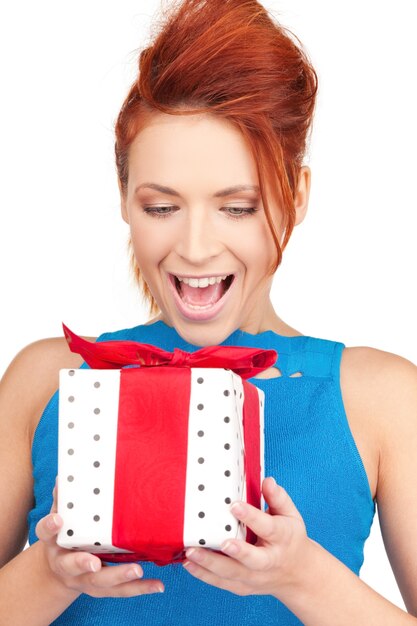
(203, 149)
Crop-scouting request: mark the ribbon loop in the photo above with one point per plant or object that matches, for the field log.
(246, 362)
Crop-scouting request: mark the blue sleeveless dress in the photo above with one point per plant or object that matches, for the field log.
(309, 450)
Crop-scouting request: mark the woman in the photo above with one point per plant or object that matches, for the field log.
(209, 150)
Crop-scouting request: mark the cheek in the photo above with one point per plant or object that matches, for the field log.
(258, 248)
(151, 243)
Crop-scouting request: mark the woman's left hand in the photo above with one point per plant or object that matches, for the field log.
(273, 565)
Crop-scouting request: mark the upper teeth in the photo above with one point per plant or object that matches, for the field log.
(202, 282)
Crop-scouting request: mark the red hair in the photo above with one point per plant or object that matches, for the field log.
(231, 59)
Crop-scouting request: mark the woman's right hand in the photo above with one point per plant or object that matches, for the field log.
(84, 572)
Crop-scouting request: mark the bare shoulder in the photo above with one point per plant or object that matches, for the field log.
(389, 389)
(377, 389)
(380, 379)
(31, 379)
(384, 385)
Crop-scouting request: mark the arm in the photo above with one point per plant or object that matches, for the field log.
(389, 385)
(38, 584)
(26, 575)
(310, 581)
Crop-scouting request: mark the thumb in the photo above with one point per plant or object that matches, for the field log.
(278, 500)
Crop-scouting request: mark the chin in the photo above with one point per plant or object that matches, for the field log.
(202, 335)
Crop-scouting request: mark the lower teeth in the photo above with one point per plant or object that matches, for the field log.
(196, 306)
(203, 306)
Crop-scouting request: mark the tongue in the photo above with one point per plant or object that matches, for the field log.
(201, 296)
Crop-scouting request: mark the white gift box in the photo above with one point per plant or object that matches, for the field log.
(97, 457)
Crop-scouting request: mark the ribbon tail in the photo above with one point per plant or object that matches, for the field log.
(246, 362)
(115, 354)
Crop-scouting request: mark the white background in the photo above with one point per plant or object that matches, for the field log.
(349, 271)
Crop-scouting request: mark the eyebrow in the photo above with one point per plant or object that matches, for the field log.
(219, 194)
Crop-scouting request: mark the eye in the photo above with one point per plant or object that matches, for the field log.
(160, 211)
(239, 212)
(235, 213)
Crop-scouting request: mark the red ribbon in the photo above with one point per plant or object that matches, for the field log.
(246, 362)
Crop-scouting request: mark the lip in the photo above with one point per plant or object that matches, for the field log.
(199, 314)
(203, 276)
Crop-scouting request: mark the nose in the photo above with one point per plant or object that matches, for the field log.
(199, 239)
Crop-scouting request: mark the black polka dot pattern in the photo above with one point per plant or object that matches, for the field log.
(88, 408)
(215, 473)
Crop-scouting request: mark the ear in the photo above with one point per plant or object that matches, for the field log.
(302, 194)
(123, 198)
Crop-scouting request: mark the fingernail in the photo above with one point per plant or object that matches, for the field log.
(52, 522)
(194, 555)
(133, 573)
(237, 508)
(93, 566)
(157, 589)
(230, 548)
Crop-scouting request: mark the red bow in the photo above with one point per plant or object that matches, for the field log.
(246, 362)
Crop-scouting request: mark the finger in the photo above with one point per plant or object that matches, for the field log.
(112, 579)
(128, 589)
(211, 578)
(47, 528)
(263, 525)
(214, 562)
(251, 557)
(244, 556)
(54, 507)
(74, 563)
(278, 500)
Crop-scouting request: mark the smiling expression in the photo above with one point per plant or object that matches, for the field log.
(195, 212)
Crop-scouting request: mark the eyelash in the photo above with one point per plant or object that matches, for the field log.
(246, 212)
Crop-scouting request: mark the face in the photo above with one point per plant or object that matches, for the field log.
(203, 245)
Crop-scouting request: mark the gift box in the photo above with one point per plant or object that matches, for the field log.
(154, 447)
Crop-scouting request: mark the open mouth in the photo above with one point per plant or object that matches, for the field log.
(221, 287)
(204, 296)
